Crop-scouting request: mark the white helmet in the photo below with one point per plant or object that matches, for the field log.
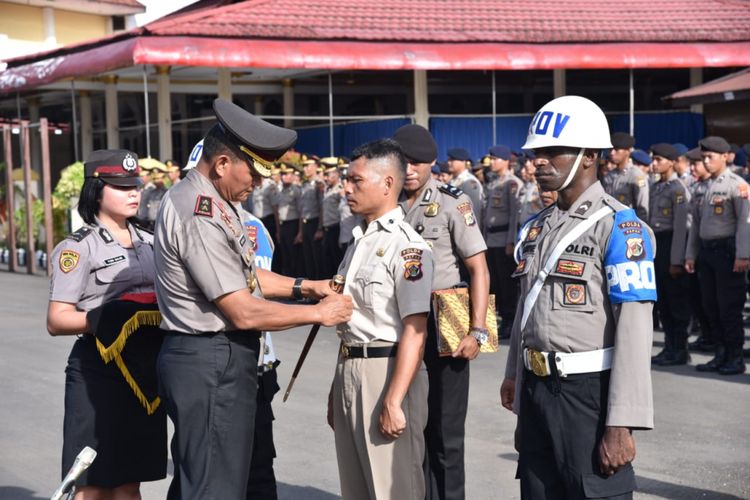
(571, 121)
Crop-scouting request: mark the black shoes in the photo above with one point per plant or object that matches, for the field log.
(713, 365)
(735, 363)
(656, 360)
(674, 358)
(703, 345)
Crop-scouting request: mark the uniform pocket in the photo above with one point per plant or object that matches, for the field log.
(113, 274)
(367, 280)
(599, 486)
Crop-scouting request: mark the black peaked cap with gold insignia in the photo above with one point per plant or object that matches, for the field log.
(118, 167)
(261, 141)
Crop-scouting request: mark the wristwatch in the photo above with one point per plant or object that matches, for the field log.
(297, 289)
(481, 335)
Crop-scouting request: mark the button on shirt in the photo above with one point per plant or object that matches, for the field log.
(670, 211)
(202, 252)
(501, 211)
(630, 187)
(388, 270)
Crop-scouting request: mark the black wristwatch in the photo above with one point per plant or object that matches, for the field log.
(481, 335)
(297, 289)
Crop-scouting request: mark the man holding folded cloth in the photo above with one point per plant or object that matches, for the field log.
(578, 371)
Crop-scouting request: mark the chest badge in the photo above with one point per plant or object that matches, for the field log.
(380, 252)
(432, 209)
(252, 282)
(533, 233)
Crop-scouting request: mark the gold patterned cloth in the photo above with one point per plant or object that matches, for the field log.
(452, 308)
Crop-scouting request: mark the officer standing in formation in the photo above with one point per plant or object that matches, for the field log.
(289, 222)
(720, 239)
(578, 374)
(458, 166)
(378, 401)
(500, 220)
(311, 198)
(443, 215)
(626, 182)
(331, 219)
(209, 292)
(670, 219)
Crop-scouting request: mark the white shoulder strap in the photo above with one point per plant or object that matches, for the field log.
(573, 235)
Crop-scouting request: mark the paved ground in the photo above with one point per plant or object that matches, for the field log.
(699, 449)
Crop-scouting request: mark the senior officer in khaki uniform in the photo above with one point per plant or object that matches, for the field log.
(670, 219)
(459, 162)
(378, 401)
(442, 215)
(720, 237)
(626, 182)
(331, 220)
(578, 372)
(500, 219)
(211, 296)
(311, 198)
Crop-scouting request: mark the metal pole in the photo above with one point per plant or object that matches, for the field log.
(632, 104)
(75, 119)
(9, 197)
(330, 114)
(26, 155)
(494, 109)
(145, 104)
(49, 240)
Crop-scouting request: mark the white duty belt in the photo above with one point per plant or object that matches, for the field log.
(568, 363)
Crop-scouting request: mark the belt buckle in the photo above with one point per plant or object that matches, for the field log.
(344, 351)
(538, 363)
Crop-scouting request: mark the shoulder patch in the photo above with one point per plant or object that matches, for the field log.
(68, 260)
(743, 191)
(629, 261)
(204, 206)
(468, 214)
(80, 234)
(451, 190)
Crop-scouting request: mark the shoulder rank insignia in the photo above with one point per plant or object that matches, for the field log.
(80, 234)
(68, 260)
(451, 190)
(204, 206)
(432, 209)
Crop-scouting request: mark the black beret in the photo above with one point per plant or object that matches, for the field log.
(715, 144)
(694, 154)
(746, 149)
(734, 147)
(622, 140)
(501, 151)
(641, 157)
(417, 143)
(459, 154)
(262, 142)
(665, 151)
(118, 167)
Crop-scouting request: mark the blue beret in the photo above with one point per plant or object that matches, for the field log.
(502, 152)
(681, 148)
(740, 158)
(435, 169)
(640, 156)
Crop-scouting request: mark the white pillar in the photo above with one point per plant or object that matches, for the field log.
(558, 82)
(34, 142)
(258, 105)
(87, 132)
(111, 112)
(164, 111)
(288, 95)
(48, 19)
(696, 78)
(421, 110)
(224, 83)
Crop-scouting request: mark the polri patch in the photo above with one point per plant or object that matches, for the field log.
(574, 294)
(204, 206)
(68, 260)
(570, 267)
(635, 250)
(413, 270)
(467, 212)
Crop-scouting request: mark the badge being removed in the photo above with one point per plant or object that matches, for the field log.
(68, 260)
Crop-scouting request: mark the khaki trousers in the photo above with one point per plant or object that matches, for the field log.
(372, 466)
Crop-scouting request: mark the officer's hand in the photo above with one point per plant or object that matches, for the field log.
(317, 289)
(508, 393)
(318, 235)
(298, 238)
(329, 413)
(690, 265)
(468, 348)
(392, 421)
(335, 309)
(741, 265)
(509, 248)
(676, 271)
(616, 449)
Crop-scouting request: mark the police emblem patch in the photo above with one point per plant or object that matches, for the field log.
(413, 270)
(252, 235)
(204, 205)
(621, 198)
(432, 210)
(533, 233)
(68, 260)
(129, 163)
(666, 211)
(574, 294)
(718, 209)
(635, 250)
(467, 212)
(496, 201)
(520, 267)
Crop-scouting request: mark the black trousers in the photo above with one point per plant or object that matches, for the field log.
(209, 384)
(561, 425)
(674, 295)
(291, 258)
(262, 482)
(447, 402)
(504, 287)
(311, 249)
(330, 250)
(696, 302)
(723, 292)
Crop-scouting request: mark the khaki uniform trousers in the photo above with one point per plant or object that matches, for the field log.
(372, 466)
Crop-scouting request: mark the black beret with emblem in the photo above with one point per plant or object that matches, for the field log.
(417, 143)
(262, 142)
(118, 167)
(665, 150)
(622, 140)
(715, 144)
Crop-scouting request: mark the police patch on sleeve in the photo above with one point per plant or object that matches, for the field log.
(68, 260)
(629, 261)
(467, 212)
(412, 264)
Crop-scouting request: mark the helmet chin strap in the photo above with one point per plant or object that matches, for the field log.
(573, 170)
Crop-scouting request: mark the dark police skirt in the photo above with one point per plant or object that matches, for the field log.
(101, 411)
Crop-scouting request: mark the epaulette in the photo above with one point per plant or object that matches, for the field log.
(80, 234)
(451, 190)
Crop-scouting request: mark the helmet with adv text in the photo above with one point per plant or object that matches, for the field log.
(570, 121)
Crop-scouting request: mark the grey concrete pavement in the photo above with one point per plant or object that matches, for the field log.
(700, 448)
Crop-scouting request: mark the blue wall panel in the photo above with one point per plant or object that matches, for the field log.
(345, 137)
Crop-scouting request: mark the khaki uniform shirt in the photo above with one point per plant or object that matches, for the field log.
(471, 186)
(501, 211)
(91, 268)
(202, 252)
(388, 272)
(289, 203)
(331, 200)
(599, 294)
(311, 198)
(263, 198)
(444, 218)
(670, 211)
(530, 203)
(698, 192)
(630, 187)
(724, 213)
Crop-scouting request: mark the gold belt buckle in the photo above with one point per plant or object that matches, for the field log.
(344, 351)
(537, 362)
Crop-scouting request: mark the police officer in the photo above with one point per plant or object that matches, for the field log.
(720, 237)
(459, 163)
(682, 165)
(578, 374)
(331, 219)
(529, 199)
(378, 401)
(289, 222)
(443, 216)
(311, 198)
(642, 160)
(209, 292)
(626, 182)
(670, 219)
(500, 220)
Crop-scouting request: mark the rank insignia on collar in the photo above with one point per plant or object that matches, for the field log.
(427, 195)
(204, 206)
(583, 208)
(68, 260)
(432, 210)
(105, 235)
